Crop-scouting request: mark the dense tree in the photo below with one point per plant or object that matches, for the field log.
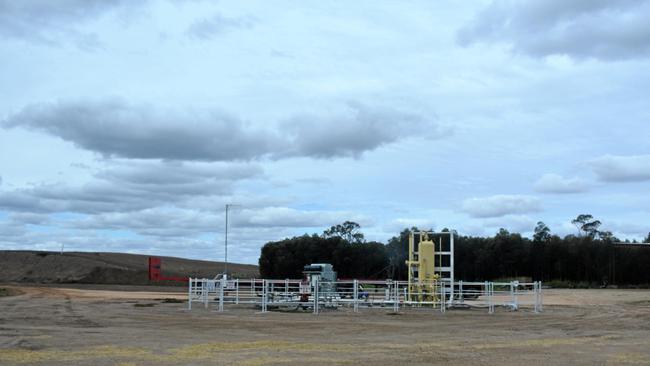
(341, 245)
(397, 250)
(585, 260)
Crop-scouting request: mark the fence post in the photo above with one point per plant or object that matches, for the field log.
(535, 297)
(396, 297)
(189, 294)
(355, 293)
(222, 286)
(205, 292)
(316, 295)
(539, 296)
(237, 291)
(486, 292)
(442, 297)
(491, 298)
(539, 301)
(264, 296)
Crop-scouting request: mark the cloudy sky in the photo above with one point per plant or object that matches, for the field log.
(127, 126)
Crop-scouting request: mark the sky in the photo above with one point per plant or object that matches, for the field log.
(128, 126)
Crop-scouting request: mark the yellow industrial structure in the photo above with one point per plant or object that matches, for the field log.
(422, 277)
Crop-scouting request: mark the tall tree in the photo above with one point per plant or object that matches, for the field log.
(542, 233)
(349, 231)
(586, 224)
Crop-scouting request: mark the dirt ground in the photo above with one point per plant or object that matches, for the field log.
(84, 326)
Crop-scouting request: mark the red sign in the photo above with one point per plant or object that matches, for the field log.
(154, 269)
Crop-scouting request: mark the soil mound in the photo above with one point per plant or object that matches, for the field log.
(104, 268)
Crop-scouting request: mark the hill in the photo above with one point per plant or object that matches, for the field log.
(104, 268)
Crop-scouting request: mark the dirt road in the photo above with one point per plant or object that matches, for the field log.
(55, 326)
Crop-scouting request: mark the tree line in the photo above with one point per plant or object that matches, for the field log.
(592, 258)
(342, 245)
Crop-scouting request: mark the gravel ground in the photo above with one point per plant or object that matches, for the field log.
(85, 326)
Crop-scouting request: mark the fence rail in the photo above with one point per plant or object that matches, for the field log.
(318, 296)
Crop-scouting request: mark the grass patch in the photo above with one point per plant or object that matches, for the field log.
(8, 292)
(147, 305)
(169, 300)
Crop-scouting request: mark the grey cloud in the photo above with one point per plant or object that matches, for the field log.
(501, 205)
(176, 173)
(208, 28)
(131, 187)
(52, 22)
(608, 30)
(29, 218)
(117, 129)
(612, 168)
(554, 183)
(349, 135)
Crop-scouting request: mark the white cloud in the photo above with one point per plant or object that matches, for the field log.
(279, 217)
(501, 205)
(629, 229)
(613, 168)
(512, 223)
(399, 224)
(554, 183)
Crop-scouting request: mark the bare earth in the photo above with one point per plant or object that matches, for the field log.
(81, 326)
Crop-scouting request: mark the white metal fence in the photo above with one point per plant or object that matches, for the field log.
(355, 295)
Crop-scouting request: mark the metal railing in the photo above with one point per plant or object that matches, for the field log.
(318, 296)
